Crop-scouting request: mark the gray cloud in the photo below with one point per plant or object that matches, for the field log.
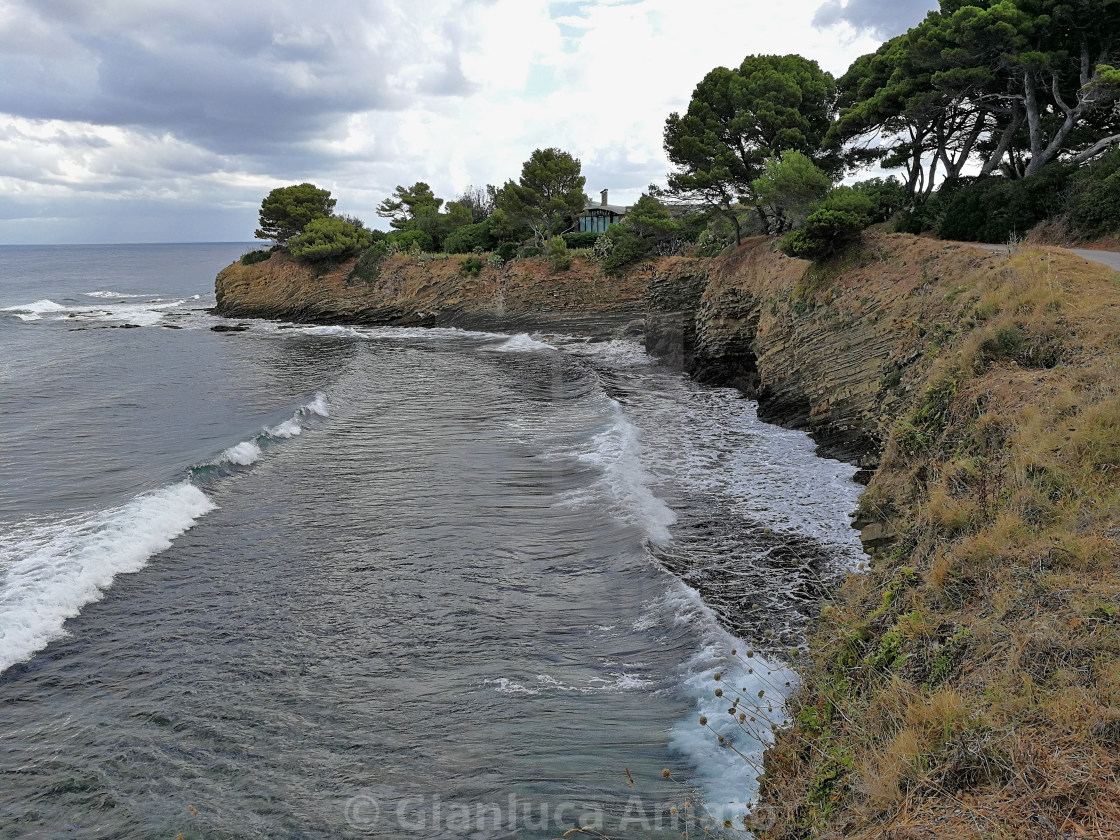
(244, 79)
(882, 18)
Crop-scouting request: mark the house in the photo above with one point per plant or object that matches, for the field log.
(596, 218)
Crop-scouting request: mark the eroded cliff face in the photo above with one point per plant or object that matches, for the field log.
(432, 291)
(821, 349)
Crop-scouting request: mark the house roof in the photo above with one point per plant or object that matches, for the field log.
(617, 209)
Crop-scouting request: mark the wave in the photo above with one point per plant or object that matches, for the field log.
(248, 452)
(316, 406)
(52, 572)
(726, 773)
(34, 311)
(618, 454)
(117, 295)
(521, 343)
(141, 314)
(243, 454)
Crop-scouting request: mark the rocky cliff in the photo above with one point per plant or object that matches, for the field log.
(430, 290)
(823, 348)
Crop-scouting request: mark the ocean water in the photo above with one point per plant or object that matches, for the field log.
(325, 582)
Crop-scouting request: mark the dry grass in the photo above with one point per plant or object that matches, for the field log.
(981, 699)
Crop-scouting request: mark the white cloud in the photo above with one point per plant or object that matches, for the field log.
(178, 104)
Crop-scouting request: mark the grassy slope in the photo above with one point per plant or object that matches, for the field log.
(968, 685)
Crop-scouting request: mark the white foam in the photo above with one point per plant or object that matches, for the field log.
(522, 343)
(243, 454)
(142, 314)
(248, 452)
(109, 294)
(618, 453)
(317, 406)
(342, 331)
(503, 685)
(52, 572)
(727, 774)
(618, 353)
(287, 429)
(613, 683)
(36, 308)
(430, 333)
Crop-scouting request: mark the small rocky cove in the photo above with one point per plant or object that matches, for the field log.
(971, 388)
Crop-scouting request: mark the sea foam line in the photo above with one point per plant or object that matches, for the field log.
(617, 454)
(50, 573)
(248, 452)
(727, 774)
(145, 314)
(65, 569)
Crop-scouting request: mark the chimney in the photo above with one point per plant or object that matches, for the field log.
(604, 195)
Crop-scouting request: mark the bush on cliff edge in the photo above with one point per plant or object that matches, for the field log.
(329, 238)
(836, 223)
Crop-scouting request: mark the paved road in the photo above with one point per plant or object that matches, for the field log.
(1109, 258)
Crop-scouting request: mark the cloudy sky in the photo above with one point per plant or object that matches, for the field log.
(169, 120)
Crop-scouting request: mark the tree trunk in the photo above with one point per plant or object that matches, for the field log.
(1004, 144)
(965, 152)
(1034, 118)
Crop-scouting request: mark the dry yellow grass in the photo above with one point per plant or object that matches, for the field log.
(971, 677)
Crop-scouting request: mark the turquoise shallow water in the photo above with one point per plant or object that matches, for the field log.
(334, 582)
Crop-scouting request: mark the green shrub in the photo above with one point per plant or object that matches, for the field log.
(716, 234)
(835, 224)
(471, 267)
(916, 220)
(627, 247)
(995, 209)
(328, 238)
(258, 255)
(887, 196)
(469, 239)
(528, 251)
(581, 240)
(408, 241)
(603, 247)
(507, 251)
(1097, 212)
(558, 254)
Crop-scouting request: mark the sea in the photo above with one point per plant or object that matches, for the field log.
(290, 581)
